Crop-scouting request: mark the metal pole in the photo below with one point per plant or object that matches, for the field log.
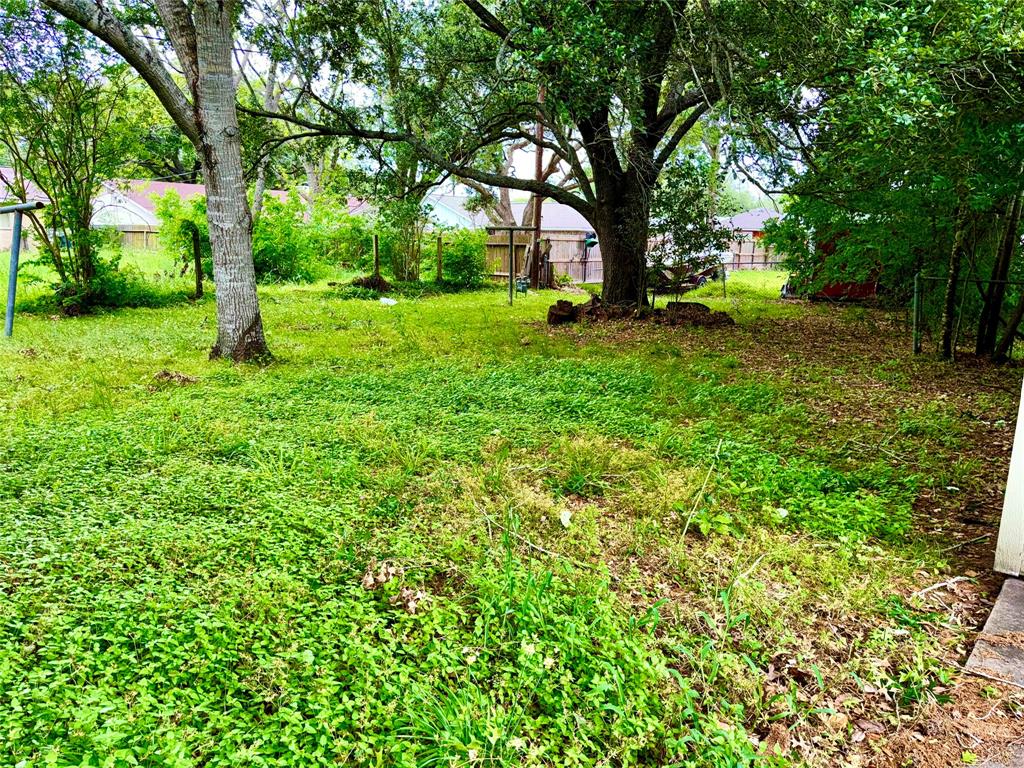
(12, 277)
(538, 174)
(511, 265)
(917, 310)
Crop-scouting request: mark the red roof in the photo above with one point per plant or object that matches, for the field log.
(139, 191)
(7, 186)
(142, 192)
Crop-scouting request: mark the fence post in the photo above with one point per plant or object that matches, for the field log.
(917, 313)
(511, 265)
(12, 278)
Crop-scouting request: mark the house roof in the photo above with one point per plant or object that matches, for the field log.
(7, 187)
(133, 193)
(143, 191)
(750, 221)
(556, 217)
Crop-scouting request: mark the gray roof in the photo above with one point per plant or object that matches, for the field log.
(556, 217)
(750, 221)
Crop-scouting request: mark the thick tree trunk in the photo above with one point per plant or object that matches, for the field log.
(948, 320)
(239, 325)
(621, 225)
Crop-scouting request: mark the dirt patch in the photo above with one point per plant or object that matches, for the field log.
(174, 377)
(373, 283)
(676, 313)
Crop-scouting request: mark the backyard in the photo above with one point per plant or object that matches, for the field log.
(442, 533)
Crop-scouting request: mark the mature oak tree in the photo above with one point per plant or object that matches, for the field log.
(201, 34)
(625, 85)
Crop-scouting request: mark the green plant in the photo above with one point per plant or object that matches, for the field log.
(465, 257)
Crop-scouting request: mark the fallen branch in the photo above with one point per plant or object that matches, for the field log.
(539, 548)
(965, 543)
(940, 585)
(990, 677)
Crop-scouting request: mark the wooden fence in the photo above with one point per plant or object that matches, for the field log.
(750, 253)
(142, 238)
(568, 255)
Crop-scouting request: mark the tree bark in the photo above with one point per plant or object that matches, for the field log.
(197, 261)
(988, 326)
(239, 324)
(949, 300)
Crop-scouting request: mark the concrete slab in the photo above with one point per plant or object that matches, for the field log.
(999, 651)
(1013, 759)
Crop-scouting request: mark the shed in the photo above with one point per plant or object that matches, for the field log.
(746, 245)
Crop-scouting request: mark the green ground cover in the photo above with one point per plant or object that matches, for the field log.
(440, 533)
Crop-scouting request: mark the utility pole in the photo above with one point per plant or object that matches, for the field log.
(537, 270)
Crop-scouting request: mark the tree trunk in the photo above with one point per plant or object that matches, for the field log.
(239, 325)
(988, 326)
(1003, 348)
(314, 185)
(949, 300)
(270, 104)
(202, 35)
(621, 225)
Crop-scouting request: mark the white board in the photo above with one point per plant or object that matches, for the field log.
(1010, 548)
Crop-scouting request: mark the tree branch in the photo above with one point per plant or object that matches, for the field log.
(460, 168)
(103, 24)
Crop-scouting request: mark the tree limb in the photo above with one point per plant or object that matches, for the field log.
(103, 24)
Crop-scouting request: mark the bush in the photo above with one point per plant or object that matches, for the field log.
(286, 247)
(339, 238)
(465, 258)
(283, 250)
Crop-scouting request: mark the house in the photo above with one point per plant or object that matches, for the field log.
(565, 229)
(8, 197)
(746, 246)
(128, 206)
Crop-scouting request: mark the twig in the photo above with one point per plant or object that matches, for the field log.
(940, 585)
(990, 677)
(700, 495)
(965, 543)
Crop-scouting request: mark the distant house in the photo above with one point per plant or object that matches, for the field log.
(565, 230)
(746, 247)
(7, 197)
(128, 206)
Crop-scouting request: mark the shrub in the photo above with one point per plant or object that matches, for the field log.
(285, 246)
(337, 237)
(283, 249)
(465, 258)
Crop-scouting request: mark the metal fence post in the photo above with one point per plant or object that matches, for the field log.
(511, 265)
(12, 277)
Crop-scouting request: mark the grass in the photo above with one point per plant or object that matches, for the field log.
(439, 534)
